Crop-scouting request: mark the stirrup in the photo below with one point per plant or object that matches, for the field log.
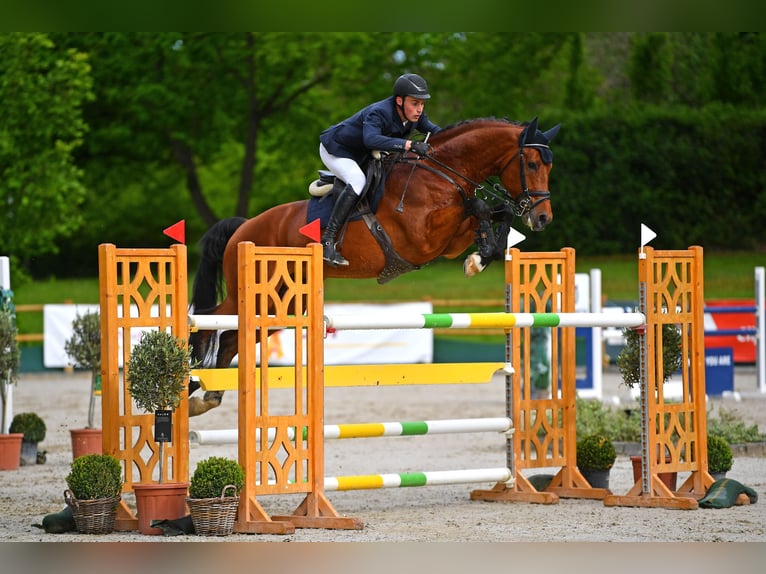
(331, 255)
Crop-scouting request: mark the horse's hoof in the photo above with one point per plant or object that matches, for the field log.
(472, 265)
(196, 406)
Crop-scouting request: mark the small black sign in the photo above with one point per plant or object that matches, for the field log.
(163, 426)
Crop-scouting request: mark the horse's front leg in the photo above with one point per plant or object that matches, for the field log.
(485, 238)
(227, 350)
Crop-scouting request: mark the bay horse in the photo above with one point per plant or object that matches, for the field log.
(431, 206)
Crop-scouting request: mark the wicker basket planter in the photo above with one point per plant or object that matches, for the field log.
(95, 516)
(214, 516)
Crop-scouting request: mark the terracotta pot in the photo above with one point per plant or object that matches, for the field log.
(669, 478)
(85, 441)
(10, 450)
(166, 501)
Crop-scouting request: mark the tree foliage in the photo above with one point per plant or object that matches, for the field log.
(43, 90)
(200, 126)
(158, 370)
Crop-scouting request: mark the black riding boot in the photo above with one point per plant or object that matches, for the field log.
(343, 205)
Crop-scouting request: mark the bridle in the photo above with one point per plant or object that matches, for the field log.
(521, 204)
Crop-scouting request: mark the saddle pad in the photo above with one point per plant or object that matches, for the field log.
(321, 207)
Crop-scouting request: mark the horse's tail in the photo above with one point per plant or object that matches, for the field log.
(208, 283)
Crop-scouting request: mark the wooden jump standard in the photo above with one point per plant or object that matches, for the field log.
(670, 287)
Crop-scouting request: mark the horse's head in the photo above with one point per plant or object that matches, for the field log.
(529, 183)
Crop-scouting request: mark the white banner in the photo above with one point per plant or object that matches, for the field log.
(341, 348)
(365, 347)
(57, 330)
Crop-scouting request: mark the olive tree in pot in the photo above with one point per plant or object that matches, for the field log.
(629, 364)
(84, 349)
(157, 373)
(10, 358)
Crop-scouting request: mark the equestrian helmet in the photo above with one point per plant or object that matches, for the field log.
(411, 85)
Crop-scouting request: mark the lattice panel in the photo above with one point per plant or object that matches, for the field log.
(674, 297)
(543, 282)
(276, 295)
(139, 290)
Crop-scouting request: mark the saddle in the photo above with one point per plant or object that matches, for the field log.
(326, 188)
(327, 181)
(324, 191)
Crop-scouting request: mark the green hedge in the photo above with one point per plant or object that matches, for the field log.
(696, 177)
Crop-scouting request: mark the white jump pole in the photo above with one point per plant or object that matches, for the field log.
(596, 343)
(481, 320)
(369, 430)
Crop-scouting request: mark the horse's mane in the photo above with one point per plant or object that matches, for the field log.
(464, 125)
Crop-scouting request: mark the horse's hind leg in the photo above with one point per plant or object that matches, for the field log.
(227, 349)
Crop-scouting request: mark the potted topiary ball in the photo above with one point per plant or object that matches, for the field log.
(157, 374)
(84, 349)
(212, 511)
(33, 428)
(719, 456)
(595, 457)
(95, 484)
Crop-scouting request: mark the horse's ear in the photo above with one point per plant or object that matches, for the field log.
(529, 133)
(551, 133)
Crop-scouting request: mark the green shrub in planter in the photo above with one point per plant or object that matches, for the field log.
(212, 474)
(595, 452)
(31, 425)
(95, 476)
(719, 457)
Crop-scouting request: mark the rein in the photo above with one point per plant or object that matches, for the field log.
(521, 205)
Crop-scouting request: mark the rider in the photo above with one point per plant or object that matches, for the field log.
(383, 126)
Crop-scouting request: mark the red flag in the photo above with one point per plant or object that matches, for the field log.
(177, 231)
(311, 230)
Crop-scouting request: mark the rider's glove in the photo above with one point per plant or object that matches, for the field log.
(420, 148)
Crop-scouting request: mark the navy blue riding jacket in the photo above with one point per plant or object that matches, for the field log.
(378, 126)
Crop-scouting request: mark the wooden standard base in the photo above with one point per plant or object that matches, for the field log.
(568, 483)
(125, 520)
(659, 496)
(252, 519)
(522, 491)
(317, 512)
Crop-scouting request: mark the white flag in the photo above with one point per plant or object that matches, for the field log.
(646, 235)
(514, 237)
